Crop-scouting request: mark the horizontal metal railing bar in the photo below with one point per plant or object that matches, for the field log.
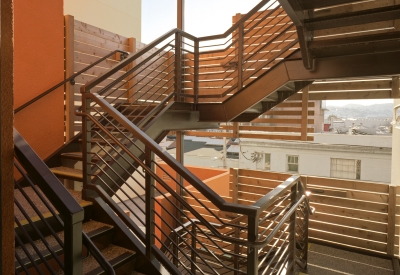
(72, 77)
(51, 210)
(50, 185)
(133, 57)
(114, 206)
(237, 24)
(100, 79)
(267, 200)
(172, 162)
(284, 219)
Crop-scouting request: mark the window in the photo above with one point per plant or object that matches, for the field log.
(264, 162)
(293, 164)
(345, 168)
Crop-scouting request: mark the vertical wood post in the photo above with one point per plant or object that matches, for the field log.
(6, 138)
(395, 92)
(180, 14)
(178, 66)
(304, 114)
(196, 71)
(69, 70)
(391, 220)
(236, 129)
(239, 52)
(132, 84)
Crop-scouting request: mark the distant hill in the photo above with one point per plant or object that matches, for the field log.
(360, 111)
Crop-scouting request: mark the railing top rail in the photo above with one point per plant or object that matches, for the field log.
(238, 23)
(50, 185)
(72, 77)
(96, 81)
(267, 200)
(250, 210)
(173, 163)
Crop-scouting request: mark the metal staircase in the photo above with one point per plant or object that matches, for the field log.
(181, 82)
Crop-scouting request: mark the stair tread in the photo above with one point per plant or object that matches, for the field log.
(112, 252)
(78, 156)
(67, 172)
(39, 204)
(92, 228)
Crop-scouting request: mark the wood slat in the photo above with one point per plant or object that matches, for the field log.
(281, 121)
(89, 29)
(346, 240)
(99, 41)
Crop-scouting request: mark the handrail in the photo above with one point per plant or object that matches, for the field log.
(69, 79)
(71, 213)
(267, 200)
(173, 163)
(249, 210)
(51, 186)
(91, 84)
(248, 243)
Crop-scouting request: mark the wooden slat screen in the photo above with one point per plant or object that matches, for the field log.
(353, 214)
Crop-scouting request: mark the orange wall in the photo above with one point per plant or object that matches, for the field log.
(219, 182)
(201, 172)
(39, 65)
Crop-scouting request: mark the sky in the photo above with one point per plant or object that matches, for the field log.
(159, 17)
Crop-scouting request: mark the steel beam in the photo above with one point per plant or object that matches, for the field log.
(297, 14)
(317, 4)
(384, 42)
(353, 18)
(294, 10)
(374, 64)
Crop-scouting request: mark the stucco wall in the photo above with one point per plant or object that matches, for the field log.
(375, 166)
(122, 16)
(39, 65)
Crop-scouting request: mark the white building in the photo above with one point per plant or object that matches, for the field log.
(366, 158)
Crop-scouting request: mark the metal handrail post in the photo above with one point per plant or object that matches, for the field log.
(292, 230)
(252, 251)
(86, 145)
(149, 181)
(193, 251)
(73, 247)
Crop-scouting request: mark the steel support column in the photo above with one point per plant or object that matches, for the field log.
(6, 138)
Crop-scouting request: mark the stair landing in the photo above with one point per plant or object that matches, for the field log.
(333, 261)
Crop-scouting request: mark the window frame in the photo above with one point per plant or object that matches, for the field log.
(349, 168)
(292, 163)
